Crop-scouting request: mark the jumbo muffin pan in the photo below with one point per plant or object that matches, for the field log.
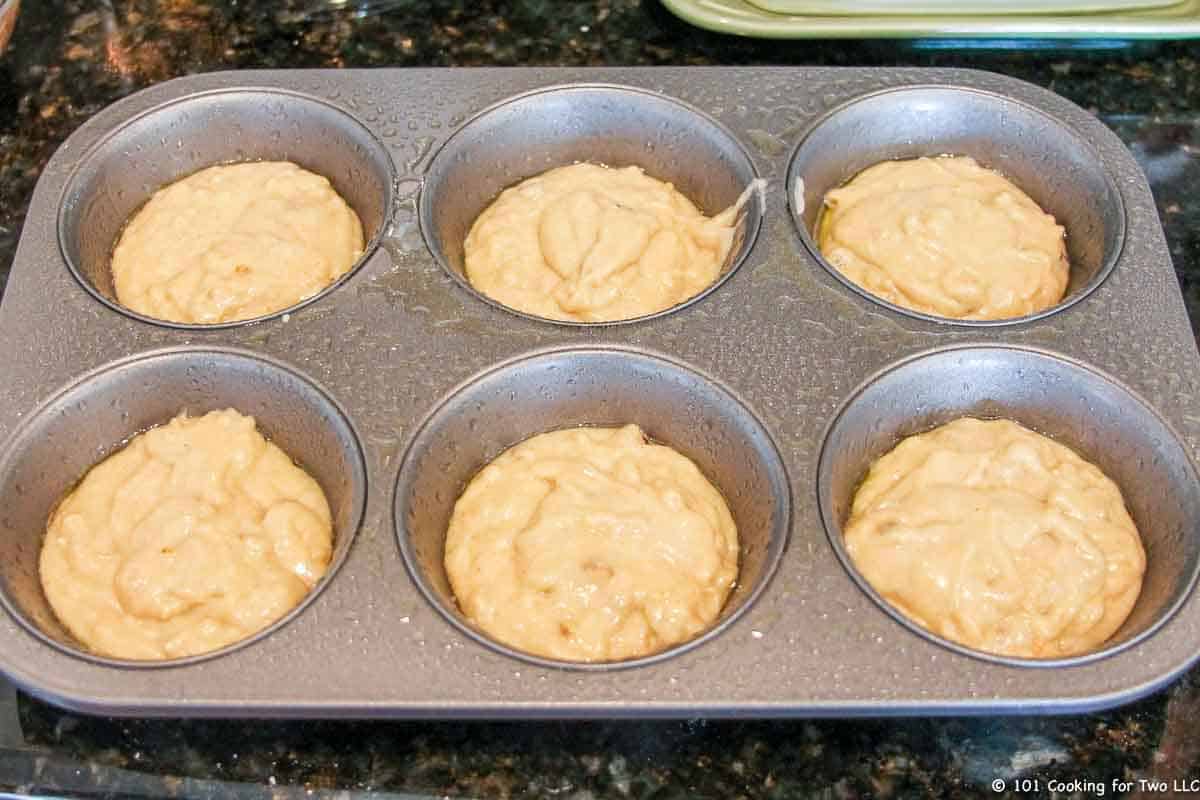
(782, 382)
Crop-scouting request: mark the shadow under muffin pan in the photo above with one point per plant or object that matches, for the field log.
(614, 126)
(166, 144)
(90, 420)
(673, 405)
(413, 359)
(1088, 412)
(1047, 160)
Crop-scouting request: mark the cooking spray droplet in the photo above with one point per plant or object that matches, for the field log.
(767, 143)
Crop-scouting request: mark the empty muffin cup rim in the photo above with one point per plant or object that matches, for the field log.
(340, 554)
(70, 187)
(834, 528)
(425, 206)
(794, 182)
(778, 537)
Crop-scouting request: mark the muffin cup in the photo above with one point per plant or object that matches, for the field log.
(89, 420)
(1060, 171)
(570, 388)
(118, 175)
(617, 126)
(1082, 408)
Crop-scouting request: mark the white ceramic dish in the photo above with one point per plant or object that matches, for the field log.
(1180, 21)
(855, 8)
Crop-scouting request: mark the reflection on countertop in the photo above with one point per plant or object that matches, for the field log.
(70, 58)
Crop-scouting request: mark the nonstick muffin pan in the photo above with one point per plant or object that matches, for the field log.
(782, 382)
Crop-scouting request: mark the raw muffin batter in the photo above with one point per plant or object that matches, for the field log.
(195, 535)
(945, 236)
(591, 544)
(998, 538)
(591, 244)
(235, 242)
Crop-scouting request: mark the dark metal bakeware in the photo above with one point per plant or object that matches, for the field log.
(775, 351)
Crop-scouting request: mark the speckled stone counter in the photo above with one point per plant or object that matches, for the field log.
(68, 59)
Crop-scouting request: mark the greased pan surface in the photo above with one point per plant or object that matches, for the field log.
(781, 382)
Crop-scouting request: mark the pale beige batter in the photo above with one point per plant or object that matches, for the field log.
(196, 534)
(591, 544)
(947, 237)
(998, 538)
(235, 242)
(589, 243)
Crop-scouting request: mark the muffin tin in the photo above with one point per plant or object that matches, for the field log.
(781, 381)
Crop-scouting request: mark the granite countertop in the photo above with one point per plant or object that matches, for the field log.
(70, 58)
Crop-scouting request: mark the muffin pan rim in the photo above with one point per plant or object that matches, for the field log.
(371, 244)
(750, 240)
(339, 554)
(808, 241)
(834, 528)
